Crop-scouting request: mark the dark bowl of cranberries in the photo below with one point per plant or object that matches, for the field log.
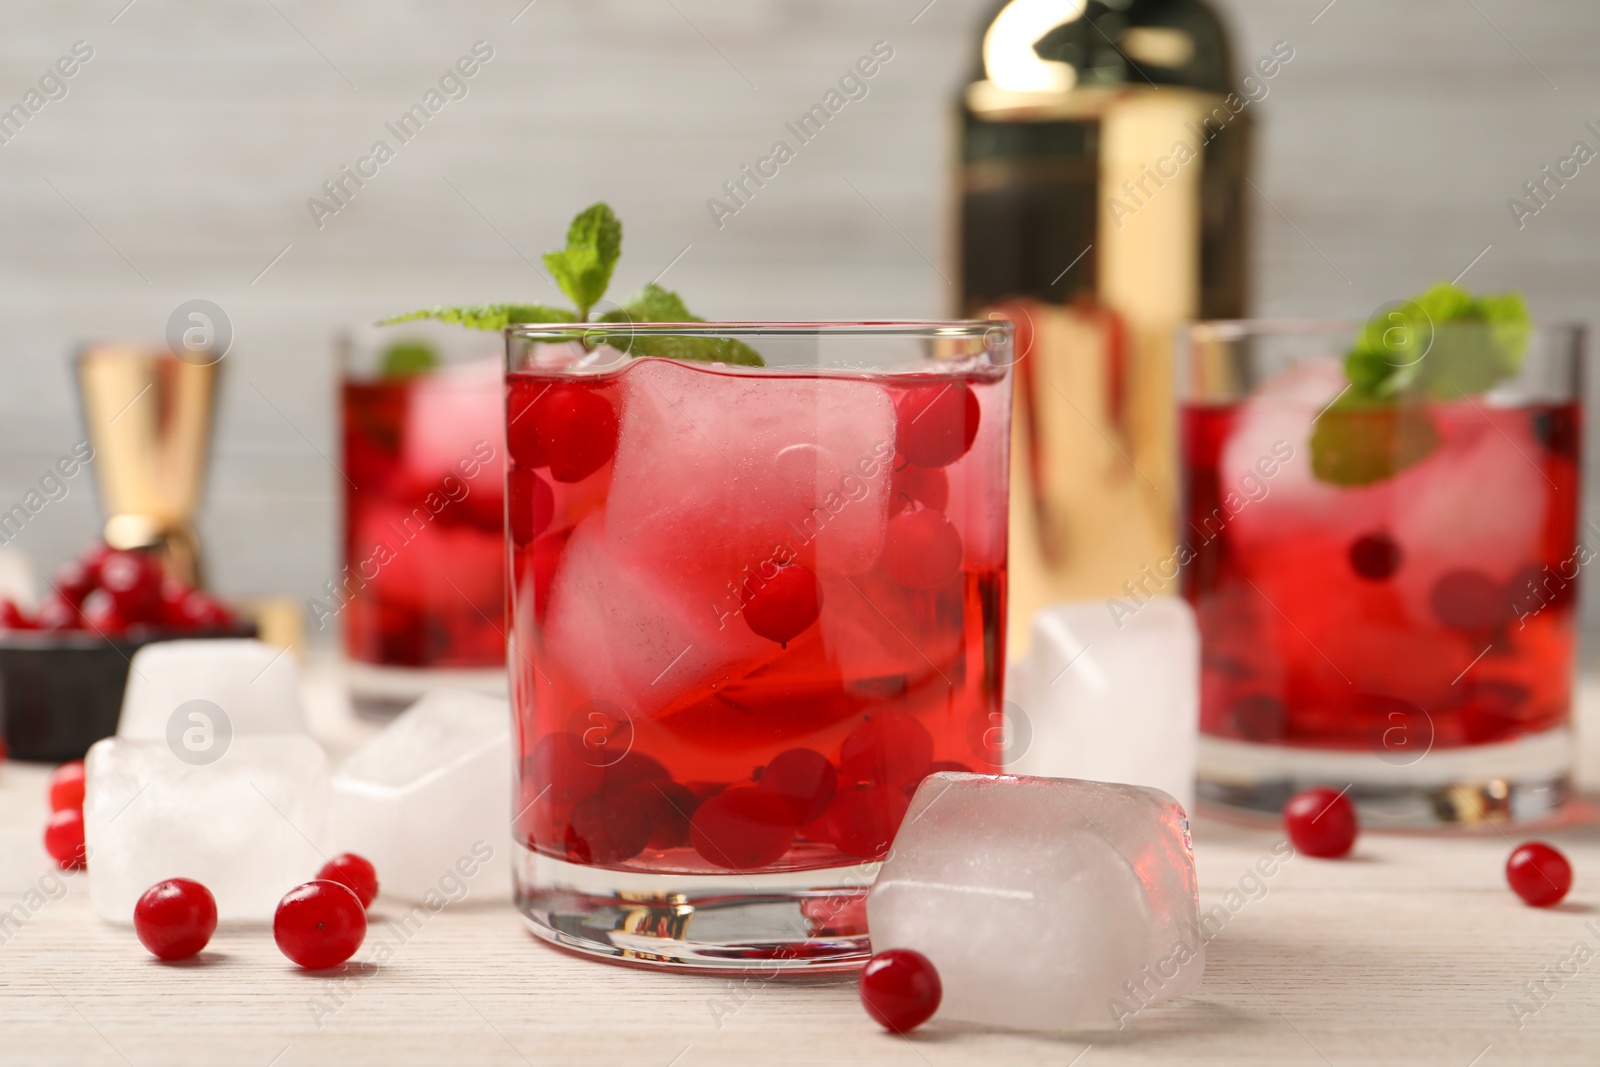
(64, 666)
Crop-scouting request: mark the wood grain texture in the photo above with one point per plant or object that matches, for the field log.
(1405, 954)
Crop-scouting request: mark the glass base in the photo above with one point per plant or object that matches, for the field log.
(1514, 783)
(794, 923)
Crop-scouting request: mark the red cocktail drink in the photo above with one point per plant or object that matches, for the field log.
(751, 610)
(423, 584)
(1409, 636)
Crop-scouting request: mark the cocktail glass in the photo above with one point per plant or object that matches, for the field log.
(1407, 637)
(423, 585)
(752, 607)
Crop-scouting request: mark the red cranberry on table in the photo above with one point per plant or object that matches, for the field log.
(900, 989)
(1539, 874)
(1321, 822)
(66, 786)
(320, 924)
(175, 919)
(353, 872)
(63, 839)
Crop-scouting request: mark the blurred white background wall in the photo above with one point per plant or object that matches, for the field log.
(179, 163)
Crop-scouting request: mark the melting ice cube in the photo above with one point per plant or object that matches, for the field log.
(256, 687)
(1045, 904)
(429, 798)
(716, 469)
(637, 634)
(249, 826)
(1113, 697)
(454, 426)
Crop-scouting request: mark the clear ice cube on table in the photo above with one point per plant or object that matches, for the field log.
(256, 686)
(249, 826)
(1112, 697)
(430, 793)
(637, 634)
(1044, 903)
(718, 470)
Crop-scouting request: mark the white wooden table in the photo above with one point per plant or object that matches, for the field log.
(1408, 953)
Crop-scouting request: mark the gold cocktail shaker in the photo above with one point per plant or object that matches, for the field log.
(1102, 191)
(148, 414)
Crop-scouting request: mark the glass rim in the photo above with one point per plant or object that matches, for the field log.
(1235, 329)
(947, 328)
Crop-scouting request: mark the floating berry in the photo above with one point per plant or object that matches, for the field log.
(609, 828)
(522, 426)
(63, 839)
(672, 806)
(530, 503)
(921, 549)
(890, 748)
(742, 829)
(936, 423)
(319, 924)
(1375, 557)
(578, 429)
(1260, 717)
(862, 822)
(1468, 600)
(781, 607)
(1321, 822)
(354, 873)
(66, 786)
(1539, 874)
(900, 989)
(558, 761)
(804, 779)
(633, 769)
(928, 486)
(175, 919)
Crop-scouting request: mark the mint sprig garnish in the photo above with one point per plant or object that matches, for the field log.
(1445, 344)
(407, 357)
(583, 270)
(494, 317)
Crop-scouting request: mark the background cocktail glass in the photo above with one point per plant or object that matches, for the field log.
(751, 609)
(1410, 640)
(423, 584)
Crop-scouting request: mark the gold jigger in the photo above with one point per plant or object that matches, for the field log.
(148, 414)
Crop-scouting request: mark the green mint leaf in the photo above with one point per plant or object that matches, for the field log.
(1441, 345)
(583, 269)
(407, 357)
(1359, 442)
(655, 304)
(494, 317)
(694, 349)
